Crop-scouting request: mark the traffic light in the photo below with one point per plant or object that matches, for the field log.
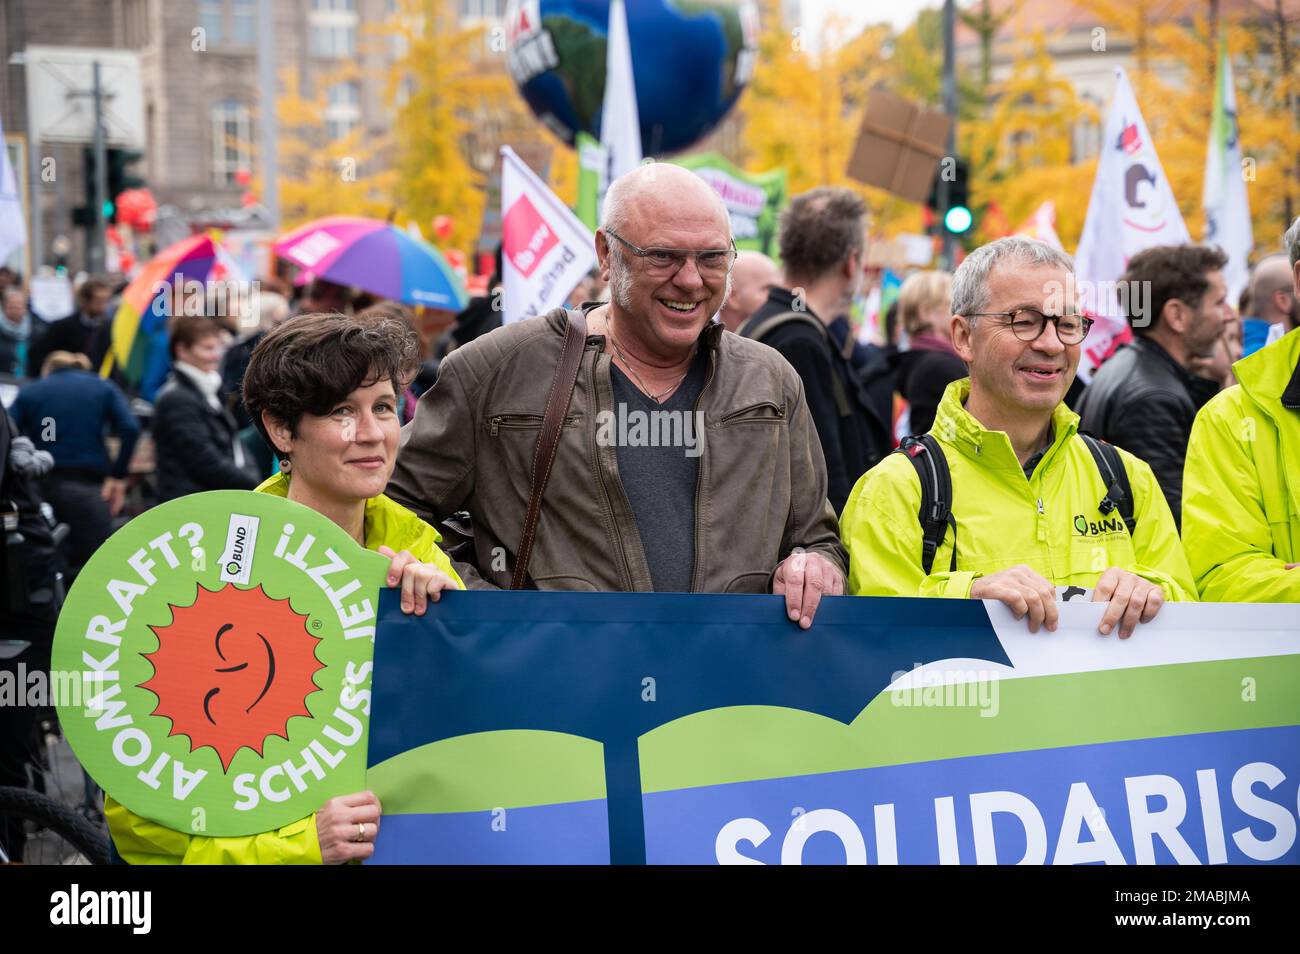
(84, 214)
(959, 219)
(118, 177)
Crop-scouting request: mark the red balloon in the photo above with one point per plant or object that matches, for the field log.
(443, 225)
(247, 199)
(137, 208)
(243, 177)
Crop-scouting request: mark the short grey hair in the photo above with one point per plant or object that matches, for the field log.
(1292, 242)
(970, 283)
(613, 213)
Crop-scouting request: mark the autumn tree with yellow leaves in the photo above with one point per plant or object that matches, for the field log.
(1020, 151)
(321, 176)
(454, 97)
(803, 108)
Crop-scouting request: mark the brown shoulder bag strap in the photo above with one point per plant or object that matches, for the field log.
(548, 441)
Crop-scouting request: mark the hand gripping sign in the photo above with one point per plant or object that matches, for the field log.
(223, 643)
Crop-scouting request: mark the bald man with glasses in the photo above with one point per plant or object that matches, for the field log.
(687, 460)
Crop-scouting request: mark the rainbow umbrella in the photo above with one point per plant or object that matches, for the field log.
(377, 257)
(139, 351)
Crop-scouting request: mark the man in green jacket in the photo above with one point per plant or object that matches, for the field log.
(1241, 522)
(1026, 489)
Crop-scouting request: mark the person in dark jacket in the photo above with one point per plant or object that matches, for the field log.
(88, 330)
(822, 240)
(196, 439)
(67, 413)
(1145, 397)
(930, 362)
(30, 594)
(20, 331)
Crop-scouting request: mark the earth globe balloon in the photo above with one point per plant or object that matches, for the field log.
(691, 60)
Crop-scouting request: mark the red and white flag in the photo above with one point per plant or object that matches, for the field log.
(1042, 226)
(1132, 208)
(545, 248)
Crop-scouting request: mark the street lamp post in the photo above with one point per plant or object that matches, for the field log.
(948, 253)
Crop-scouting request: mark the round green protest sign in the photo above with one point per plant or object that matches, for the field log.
(224, 644)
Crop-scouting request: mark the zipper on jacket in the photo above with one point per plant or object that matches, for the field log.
(496, 422)
(778, 413)
(625, 571)
(699, 476)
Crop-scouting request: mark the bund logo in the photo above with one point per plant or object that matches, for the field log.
(1097, 528)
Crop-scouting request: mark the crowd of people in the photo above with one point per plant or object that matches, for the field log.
(944, 460)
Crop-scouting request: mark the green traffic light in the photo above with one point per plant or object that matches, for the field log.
(958, 219)
(108, 209)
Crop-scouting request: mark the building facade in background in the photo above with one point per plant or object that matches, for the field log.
(199, 89)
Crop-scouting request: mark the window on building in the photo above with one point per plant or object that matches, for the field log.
(243, 22)
(342, 109)
(212, 20)
(482, 9)
(333, 26)
(232, 141)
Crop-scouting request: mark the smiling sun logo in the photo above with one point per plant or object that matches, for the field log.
(232, 669)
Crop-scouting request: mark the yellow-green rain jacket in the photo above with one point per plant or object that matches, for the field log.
(143, 842)
(1049, 522)
(1241, 482)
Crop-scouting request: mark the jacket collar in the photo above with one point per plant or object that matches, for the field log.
(1291, 396)
(709, 337)
(1272, 374)
(387, 522)
(954, 425)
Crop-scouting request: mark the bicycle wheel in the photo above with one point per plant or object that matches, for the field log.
(46, 832)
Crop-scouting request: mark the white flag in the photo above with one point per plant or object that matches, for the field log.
(545, 248)
(13, 227)
(1132, 208)
(620, 123)
(1227, 213)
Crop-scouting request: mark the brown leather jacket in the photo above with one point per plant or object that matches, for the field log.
(762, 481)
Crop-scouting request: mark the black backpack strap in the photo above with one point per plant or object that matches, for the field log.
(1119, 492)
(936, 497)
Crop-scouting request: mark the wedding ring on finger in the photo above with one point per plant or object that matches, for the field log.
(361, 831)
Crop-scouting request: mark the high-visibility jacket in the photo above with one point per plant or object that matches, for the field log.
(1049, 522)
(1241, 482)
(142, 842)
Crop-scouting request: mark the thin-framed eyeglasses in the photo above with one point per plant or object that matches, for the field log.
(1028, 323)
(715, 261)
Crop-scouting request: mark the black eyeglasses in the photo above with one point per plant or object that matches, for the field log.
(715, 261)
(1028, 323)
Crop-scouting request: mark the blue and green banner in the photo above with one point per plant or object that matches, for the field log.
(521, 728)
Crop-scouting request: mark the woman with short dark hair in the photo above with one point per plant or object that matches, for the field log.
(196, 440)
(322, 390)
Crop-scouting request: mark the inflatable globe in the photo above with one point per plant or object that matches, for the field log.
(691, 58)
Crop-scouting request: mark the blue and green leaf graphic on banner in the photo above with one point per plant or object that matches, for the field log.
(589, 728)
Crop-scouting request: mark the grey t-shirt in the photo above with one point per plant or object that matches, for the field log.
(660, 480)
